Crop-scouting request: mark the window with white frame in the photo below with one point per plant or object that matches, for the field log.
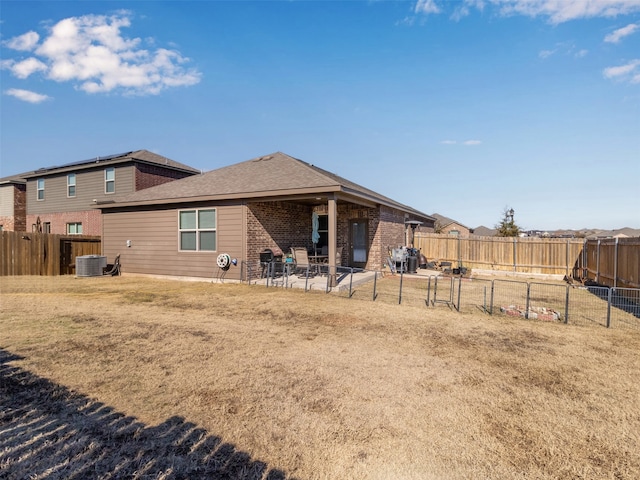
(74, 228)
(40, 188)
(71, 185)
(110, 180)
(197, 230)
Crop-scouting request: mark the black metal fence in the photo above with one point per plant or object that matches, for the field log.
(563, 303)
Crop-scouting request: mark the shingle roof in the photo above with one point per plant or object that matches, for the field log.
(483, 231)
(444, 221)
(270, 175)
(144, 156)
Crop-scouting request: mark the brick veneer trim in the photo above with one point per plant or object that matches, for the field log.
(91, 221)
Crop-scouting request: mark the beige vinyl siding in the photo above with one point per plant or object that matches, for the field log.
(7, 200)
(90, 185)
(154, 242)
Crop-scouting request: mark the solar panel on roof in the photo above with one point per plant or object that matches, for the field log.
(84, 162)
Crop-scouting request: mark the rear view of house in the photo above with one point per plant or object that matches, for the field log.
(180, 228)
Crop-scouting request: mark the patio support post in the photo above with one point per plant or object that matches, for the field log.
(333, 238)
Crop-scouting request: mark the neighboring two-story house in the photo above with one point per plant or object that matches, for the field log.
(63, 199)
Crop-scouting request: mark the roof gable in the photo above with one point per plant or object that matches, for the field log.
(446, 221)
(269, 175)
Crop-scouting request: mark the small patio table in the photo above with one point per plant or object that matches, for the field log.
(318, 261)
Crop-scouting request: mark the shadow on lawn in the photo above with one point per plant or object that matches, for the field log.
(48, 431)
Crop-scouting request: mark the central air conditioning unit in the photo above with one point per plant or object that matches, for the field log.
(90, 265)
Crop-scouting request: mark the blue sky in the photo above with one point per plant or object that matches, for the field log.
(460, 108)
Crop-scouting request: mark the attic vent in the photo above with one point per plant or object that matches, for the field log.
(261, 159)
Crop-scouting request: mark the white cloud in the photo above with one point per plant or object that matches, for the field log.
(26, 95)
(629, 72)
(24, 42)
(557, 11)
(426, 6)
(91, 52)
(546, 53)
(24, 68)
(564, 49)
(460, 12)
(619, 34)
(472, 142)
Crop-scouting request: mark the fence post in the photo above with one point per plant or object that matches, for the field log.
(609, 308)
(428, 299)
(615, 265)
(400, 292)
(585, 259)
(459, 288)
(567, 259)
(375, 286)
(598, 263)
(526, 308)
(484, 299)
(306, 279)
(491, 304)
(566, 306)
(351, 284)
(515, 262)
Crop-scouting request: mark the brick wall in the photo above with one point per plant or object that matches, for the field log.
(91, 221)
(7, 223)
(282, 225)
(385, 230)
(151, 175)
(391, 230)
(348, 212)
(20, 208)
(277, 225)
(462, 230)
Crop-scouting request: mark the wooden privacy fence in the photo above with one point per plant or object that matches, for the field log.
(28, 253)
(614, 262)
(551, 256)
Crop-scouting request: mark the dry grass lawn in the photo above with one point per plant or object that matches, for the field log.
(124, 376)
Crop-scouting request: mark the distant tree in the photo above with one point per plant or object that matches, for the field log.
(438, 227)
(507, 226)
